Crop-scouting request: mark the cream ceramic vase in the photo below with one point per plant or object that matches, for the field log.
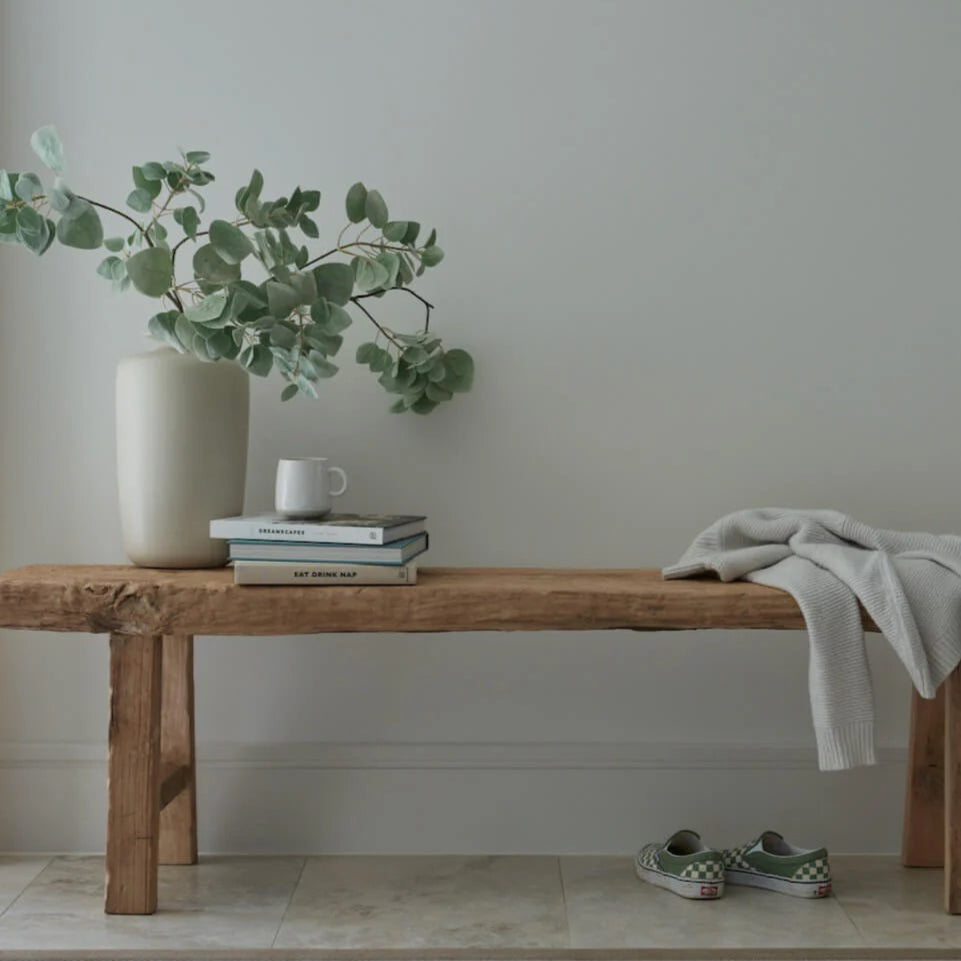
(181, 455)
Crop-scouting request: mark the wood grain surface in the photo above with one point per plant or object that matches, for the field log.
(134, 600)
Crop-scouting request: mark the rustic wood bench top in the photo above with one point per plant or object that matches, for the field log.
(132, 600)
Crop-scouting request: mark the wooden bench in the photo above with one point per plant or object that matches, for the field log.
(153, 615)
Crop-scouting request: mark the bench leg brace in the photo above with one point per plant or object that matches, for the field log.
(178, 815)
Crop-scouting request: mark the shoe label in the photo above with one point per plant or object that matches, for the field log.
(824, 890)
(709, 890)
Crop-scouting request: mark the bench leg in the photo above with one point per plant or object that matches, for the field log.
(922, 841)
(178, 815)
(133, 781)
(952, 793)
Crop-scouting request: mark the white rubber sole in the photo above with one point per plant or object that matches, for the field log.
(796, 889)
(692, 890)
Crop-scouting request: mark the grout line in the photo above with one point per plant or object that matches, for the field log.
(290, 900)
(567, 919)
(857, 927)
(21, 892)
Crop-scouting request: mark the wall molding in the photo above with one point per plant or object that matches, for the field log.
(528, 755)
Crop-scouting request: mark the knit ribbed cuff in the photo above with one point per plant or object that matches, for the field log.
(849, 746)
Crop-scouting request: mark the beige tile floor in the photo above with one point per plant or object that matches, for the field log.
(459, 902)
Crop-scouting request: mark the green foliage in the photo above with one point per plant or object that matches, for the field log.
(291, 317)
(150, 271)
(46, 145)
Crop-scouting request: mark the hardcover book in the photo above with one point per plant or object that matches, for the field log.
(331, 529)
(297, 552)
(322, 575)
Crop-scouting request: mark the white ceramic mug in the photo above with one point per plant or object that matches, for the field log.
(303, 486)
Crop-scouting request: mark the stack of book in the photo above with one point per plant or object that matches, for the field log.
(335, 549)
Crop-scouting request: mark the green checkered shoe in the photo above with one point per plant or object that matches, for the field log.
(770, 862)
(684, 865)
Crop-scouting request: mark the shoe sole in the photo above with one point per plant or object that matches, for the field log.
(692, 890)
(796, 889)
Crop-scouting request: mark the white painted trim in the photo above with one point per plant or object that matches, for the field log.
(547, 755)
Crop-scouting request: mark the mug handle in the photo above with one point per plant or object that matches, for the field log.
(343, 481)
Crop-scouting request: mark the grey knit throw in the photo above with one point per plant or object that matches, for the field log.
(910, 584)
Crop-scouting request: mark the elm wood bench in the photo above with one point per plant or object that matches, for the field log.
(153, 615)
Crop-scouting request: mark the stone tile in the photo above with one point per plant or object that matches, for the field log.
(895, 906)
(608, 907)
(436, 902)
(219, 903)
(16, 872)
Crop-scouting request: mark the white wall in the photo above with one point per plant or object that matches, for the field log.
(705, 256)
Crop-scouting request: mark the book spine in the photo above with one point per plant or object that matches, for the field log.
(227, 530)
(330, 575)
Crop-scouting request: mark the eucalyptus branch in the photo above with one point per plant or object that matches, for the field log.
(373, 320)
(357, 243)
(427, 304)
(174, 298)
(289, 321)
(119, 213)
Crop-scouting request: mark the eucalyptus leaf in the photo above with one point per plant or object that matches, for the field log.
(112, 268)
(32, 230)
(320, 312)
(188, 219)
(423, 406)
(335, 282)
(150, 271)
(375, 208)
(431, 256)
(47, 146)
(82, 230)
(460, 367)
(369, 274)
(8, 183)
(365, 352)
(288, 392)
(152, 185)
(256, 184)
(379, 360)
(257, 359)
(153, 171)
(28, 186)
(140, 200)
(220, 345)
(51, 233)
(230, 242)
(162, 327)
(196, 156)
(209, 310)
(322, 366)
(281, 298)
(338, 320)
(306, 287)
(308, 227)
(208, 265)
(395, 230)
(356, 203)
(115, 244)
(391, 263)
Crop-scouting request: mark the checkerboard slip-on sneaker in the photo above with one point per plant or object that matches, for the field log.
(685, 865)
(770, 862)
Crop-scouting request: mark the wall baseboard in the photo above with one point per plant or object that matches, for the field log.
(532, 755)
(473, 798)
